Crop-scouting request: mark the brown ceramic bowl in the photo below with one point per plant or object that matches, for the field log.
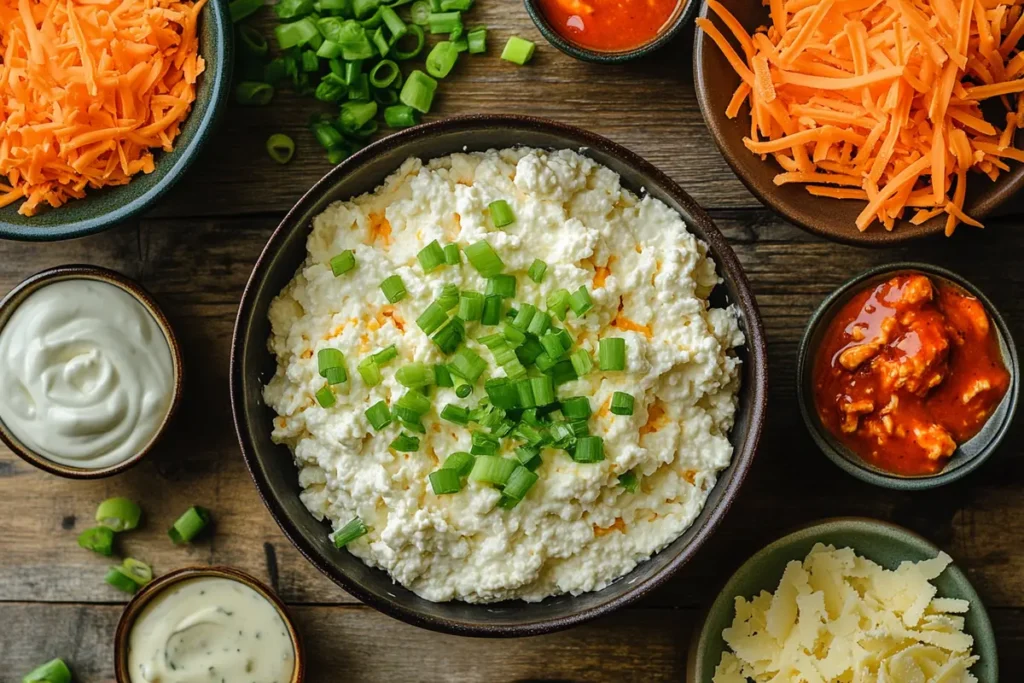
(272, 466)
(83, 272)
(831, 218)
(158, 585)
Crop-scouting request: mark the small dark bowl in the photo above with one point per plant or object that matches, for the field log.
(683, 14)
(159, 584)
(103, 209)
(272, 466)
(834, 219)
(82, 272)
(970, 454)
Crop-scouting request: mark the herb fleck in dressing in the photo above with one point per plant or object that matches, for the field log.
(210, 629)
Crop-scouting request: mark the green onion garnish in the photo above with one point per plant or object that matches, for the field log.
(463, 390)
(415, 402)
(329, 358)
(629, 481)
(576, 407)
(529, 350)
(476, 41)
(552, 344)
(561, 434)
(393, 288)
(520, 482)
(325, 396)
(450, 335)
(442, 377)
(401, 116)
(295, 33)
(562, 372)
(539, 323)
(501, 285)
(452, 254)
(369, 371)
(483, 257)
(138, 571)
(471, 306)
(350, 532)
(524, 317)
(383, 74)
(543, 390)
(405, 443)
(343, 262)
(396, 27)
(336, 376)
(579, 428)
(581, 361)
(558, 303)
(456, 414)
(449, 296)
(189, 525)
(611, 353)
(415, 375)
(512, 335)
(280, 147)
(622, 403)
(432, 318)
(580, 301)
(502, 392)
(501, 213)
(589, 449)
(484, 444)
(525, 392)
(117, 578)
(564, 337)
(444, 22)
(418, 91)
(518, 50)
(545, 362)
(492, 310)
(355, 115)
(431, 257)
(99, 539)
(468, 364)
(441, 59)
(529, 457)
(118, 514)
(444, 481)
(385, 355)
(460, 462)
(55, 670)
(400, 52)
(537, 270)
(491, 469)
(378, 415)
(420, 12)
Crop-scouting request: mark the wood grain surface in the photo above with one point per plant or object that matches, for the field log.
(195, 252)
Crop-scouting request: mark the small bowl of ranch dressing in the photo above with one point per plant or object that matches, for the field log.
(90, 371)
(207, 624)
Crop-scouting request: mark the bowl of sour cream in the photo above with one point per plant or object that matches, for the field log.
(90, 371)
(207, 623)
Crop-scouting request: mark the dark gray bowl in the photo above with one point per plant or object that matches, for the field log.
(271, 465)
(970, 454)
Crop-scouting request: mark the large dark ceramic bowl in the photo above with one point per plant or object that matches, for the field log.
(271, 465)
(102, 209)
(831, 218)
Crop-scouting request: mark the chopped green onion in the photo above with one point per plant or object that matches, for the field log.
(369, 371)
(330, 90)
(513, 335)
(328, 50)
(580, 301)
(393, 288)
(450, 335)
(442, 377)
(293, 9)
(452, 254)
(415, 375)
(120, 580)
(483, 444)
(378, 415)
(629, 481)
(552, 344)
(576, 407)
(363, 9)
(611, 353)
(524, 317)
(529, 350)
(518, 50)
(343, 262)
(520, 482)
(336, 376)
(355, 42)
(420, 12)
(449, 296)
(501, 285)
(529, 457)
(456, 414)
(325, 396)
(327, 136)
(444, 22)
(558, 303)
(355, 115)
(468, 364)
(582, 363)
(562, 434)
(118, 514)
(418, 91)
(329, 358)
(240, 9)
(589, 449)
(384, 73)
(55, 670)
(385, 355)
(310, 62)
(281, 148)
(295, 34)
(350, 532)
(138, 571)
(402, 54)
(492, 310)
(444, 481)
(491, 469)
(252, 93)
(457, 5)
(415, 402)
(441, 59)
(539, 323)
(471, 306)
(99, 539)
(537, 270)
(460, 462)
(189, 525)
(543, 390)
(564, 337)
(431, 257)
(525, 392)
(483, 257)
(545, 362)
(463, 390)
(563, 372)
(477, 41)
(352, 70)
(432, 318)
(514, 369)
(622, 403)
(396, 27)
(503, 394)
(501, 213)
(404, 443)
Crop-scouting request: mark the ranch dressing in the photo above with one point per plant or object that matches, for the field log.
(210, 629)
(86, 374)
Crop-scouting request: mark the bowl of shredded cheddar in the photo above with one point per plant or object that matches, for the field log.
(103, 106)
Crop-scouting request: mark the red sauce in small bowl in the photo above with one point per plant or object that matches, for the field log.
(610, 25)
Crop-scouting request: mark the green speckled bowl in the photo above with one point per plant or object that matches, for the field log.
(884, 543)
(102, 209)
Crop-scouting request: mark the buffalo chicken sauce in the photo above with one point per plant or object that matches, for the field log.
(908, 370)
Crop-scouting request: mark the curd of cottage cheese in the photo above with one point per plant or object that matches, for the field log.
(577, 529)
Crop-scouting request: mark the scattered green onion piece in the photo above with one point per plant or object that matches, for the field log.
(281, 148)
(378, 415)
(414, 401)
(350, 532)
(611, 353)
(552, 346)
(452, 253)
(295, 34)
(293, 9)
(525, 391)
(467, 364)
(442, 377)
(491, 469)
(483, 257)
(363, 9)
(401, 116)
(99, 539)
(543, 390)
(501, 285)
(120, 580)
(240, 9)
(352, 70)
(545, 362)
(359, 89)
(325, 396)
(327, 136)
(537, 270)
(558, 303)
(393, 288)
(444, 22)
(528, 351)
(444, 481)
(420, 12)
(369, 371)
(432, 318)
(252, 93)
(529, 457)
(564, 337)
(329, 358)
(396, 27)
(539, 323)
(492, 310)
(53, 671)
(336, 376)
(582, 363)
(492, 341)
(524, 317)
(463, 390)
(629, 481)
(415, 375)
(449, 296)
(471, 306)
(518, 50)
(460, 462)
(441, 59)
(576, 407)
(418, 91)
(580, 428)
(460, 44)
(419, 40)
(138, 571)
(501, 213)
(513, 335)
(329, 50)
(450, 335)
(189, 525)
(520, 482)
(431, 257)
(380, 41)
(483, 444)
(514, 369)
(477, 41)
(384, 73)
(561, 434)
(385, 355)
(563, 372)
(502, 393)
(405, 443)
(354, 115)
(456, 414)
(409, 418)
(580, 301)
(589, 449)
(118, 514)
(622, 403)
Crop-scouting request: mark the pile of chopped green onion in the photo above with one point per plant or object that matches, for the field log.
(350, 53)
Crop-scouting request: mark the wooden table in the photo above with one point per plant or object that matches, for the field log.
(195, 251)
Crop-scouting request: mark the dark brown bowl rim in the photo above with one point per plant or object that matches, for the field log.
(667, 32)
(158, 585)
(727, 263)
(33, 283)
(902, 233)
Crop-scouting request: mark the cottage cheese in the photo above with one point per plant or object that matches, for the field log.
(578, 529)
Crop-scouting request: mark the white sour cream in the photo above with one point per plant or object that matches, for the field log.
(210, 629)
(86, 374)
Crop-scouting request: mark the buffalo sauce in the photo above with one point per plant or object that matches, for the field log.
(609, 25)
(906, 371)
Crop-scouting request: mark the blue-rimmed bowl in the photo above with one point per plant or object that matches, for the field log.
(970, 454)
(103, 209)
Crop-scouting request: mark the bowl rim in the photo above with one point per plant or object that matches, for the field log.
(33, 283)
(867, 525)
(727, 264)
(805, 366)
(138, 603)
(684, 13)
(219, 65)
(874, 237)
